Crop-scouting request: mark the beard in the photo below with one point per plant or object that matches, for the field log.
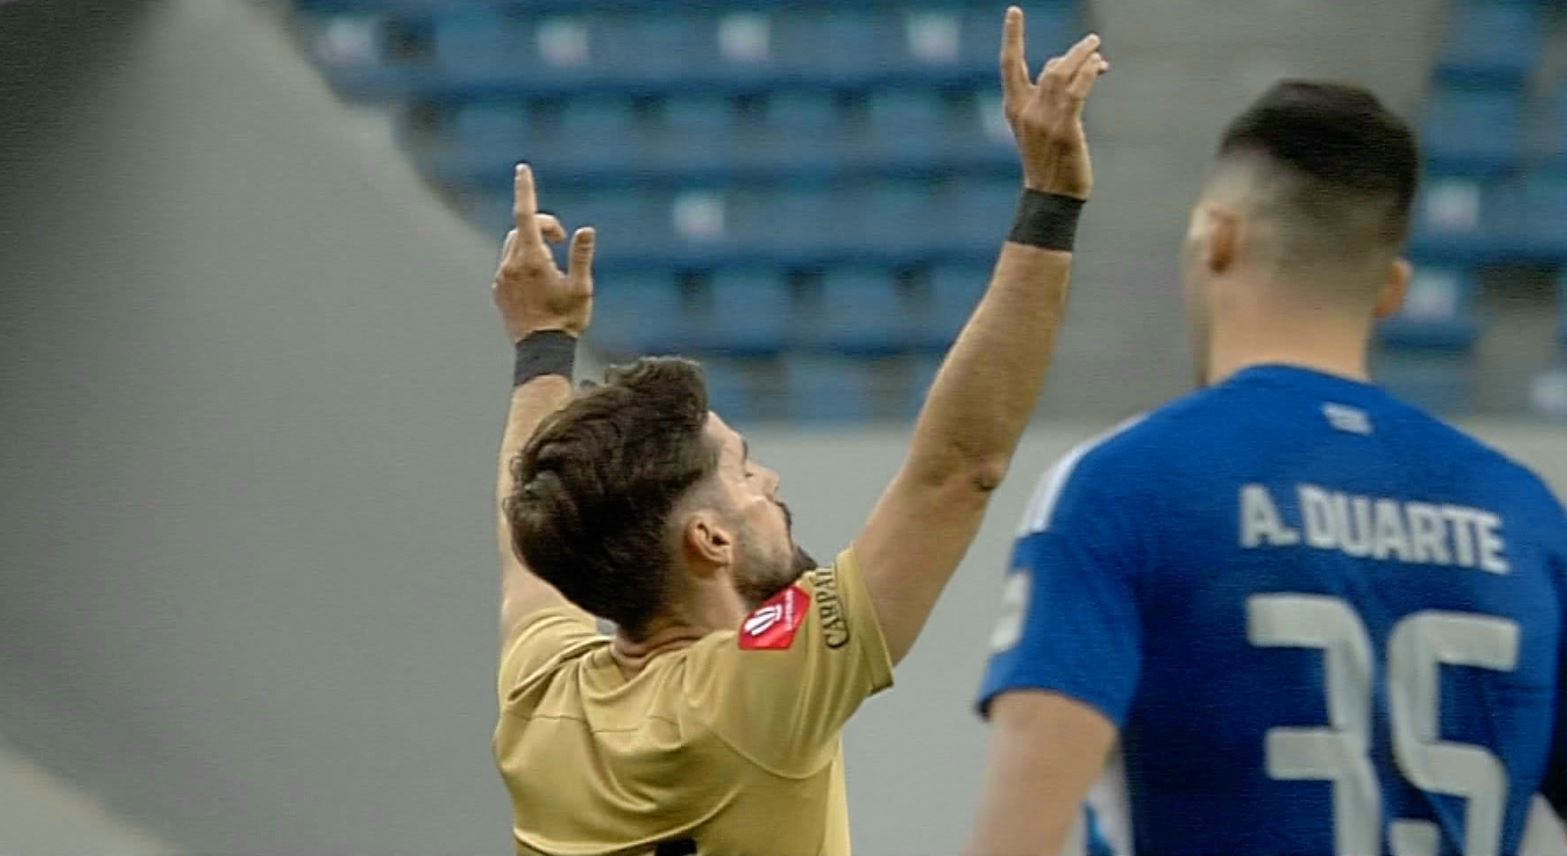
(764, 576)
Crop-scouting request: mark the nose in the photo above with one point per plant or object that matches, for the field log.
(770, 480)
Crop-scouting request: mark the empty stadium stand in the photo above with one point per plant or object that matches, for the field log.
(1494, 196)
(812, 191)
(800, 193)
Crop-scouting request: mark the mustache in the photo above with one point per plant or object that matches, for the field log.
(788, 515)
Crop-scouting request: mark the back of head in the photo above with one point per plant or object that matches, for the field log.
(594, 488)
(1325, 176)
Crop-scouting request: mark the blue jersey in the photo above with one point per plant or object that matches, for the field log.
(1324, 622)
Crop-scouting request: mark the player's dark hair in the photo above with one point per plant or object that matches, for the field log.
(593, 488)
(1344, 146)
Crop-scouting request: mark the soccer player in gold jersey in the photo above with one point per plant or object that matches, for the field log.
(708, 722)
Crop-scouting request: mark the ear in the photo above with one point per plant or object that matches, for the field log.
(1391, 298)
(708, 544)
(1221, 239)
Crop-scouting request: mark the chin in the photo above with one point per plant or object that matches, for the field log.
(774, 579)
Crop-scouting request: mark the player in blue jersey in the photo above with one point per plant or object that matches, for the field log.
(1314, 619)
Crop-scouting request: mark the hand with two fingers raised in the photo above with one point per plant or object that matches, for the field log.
(1046, 113)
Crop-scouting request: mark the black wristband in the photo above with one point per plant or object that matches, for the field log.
(1046, 220)
(547, 352)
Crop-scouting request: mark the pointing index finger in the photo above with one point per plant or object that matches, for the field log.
(1014, 63)
(525, 205)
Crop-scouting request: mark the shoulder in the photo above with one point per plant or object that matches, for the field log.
(1461, 449)
(545, 636)
(1466, 446)
(1161, 436)
(1528, 491)
(1131, 460)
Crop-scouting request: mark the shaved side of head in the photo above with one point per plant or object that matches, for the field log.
(1323, 177)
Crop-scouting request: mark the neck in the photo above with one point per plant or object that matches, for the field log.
(1328, 340)
(712, 607)
(632, 654)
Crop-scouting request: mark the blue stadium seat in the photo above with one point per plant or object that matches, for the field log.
(1451, 206)
(629, 223)
(698, 132)
(829, 390)
(700, 220)
(636, 313)
(955, 289)
(933, 37)
(745, 39)
(792, 221)
(814, 113)
(1544, 216)
(985, 130)
(982, 208)
(565, 44)
(487, 130)
(1439, 313)
(1456, 219)
(731, 390)
(862, 313)
(1491, 43)
(1472, 132)
(470, 41)
(752, 313)
(1554, 121)
(840, 43)
(597, 134)
(899, 217)
(798, 129)
(654, 46)
(907, 125)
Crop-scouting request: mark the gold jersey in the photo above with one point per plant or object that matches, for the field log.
(728, 747)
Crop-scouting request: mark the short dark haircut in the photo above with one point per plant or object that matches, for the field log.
(594, 487)
(1344, 145)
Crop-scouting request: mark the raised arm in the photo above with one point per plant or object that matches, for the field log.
(534, 297)
(983, 395)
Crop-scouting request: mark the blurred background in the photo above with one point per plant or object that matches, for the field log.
(251, 385)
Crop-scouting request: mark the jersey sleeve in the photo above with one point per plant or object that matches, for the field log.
(779, 689)
(1070, 620)
(544, 635)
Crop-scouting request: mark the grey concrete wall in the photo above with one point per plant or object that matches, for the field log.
(250, 386)
(43, 814)
(250, 381)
